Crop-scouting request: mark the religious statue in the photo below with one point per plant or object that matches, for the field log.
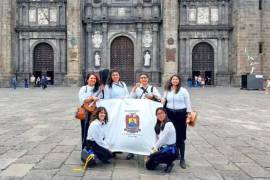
(147, 58)
(251, 62)
(97, 59)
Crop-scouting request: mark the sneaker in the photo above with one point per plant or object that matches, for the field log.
(130, 156)
(183, 164)
(169, 167)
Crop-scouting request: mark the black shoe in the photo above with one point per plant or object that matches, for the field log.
(169, 167)
(130, 156)
(183, 164)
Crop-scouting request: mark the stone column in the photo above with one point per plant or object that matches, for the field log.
(170, 31)
(139, 59)
(5, 42)
(89, 58)
(188, 58)
(155, 48)
(105, 60)
(73, 76)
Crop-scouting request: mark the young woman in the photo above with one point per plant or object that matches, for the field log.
(96, 139)
(164, 150)
(143, 90)
(178, 108)
(115, 88)
(87, 93)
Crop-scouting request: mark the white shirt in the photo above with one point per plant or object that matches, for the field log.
(167, 136)
(87, 91)
(181, 100)
(118, 90)
(96, 132)
(139, 93)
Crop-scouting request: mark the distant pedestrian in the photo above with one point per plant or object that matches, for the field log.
(38, 82)
(267, 88)
(25, 82)
(14, 82)
(32, 81)
(44, 82)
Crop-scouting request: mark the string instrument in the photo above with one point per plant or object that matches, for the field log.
(91, 106)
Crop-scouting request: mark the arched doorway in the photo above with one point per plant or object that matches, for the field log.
(203, 62)
(122, 58)
(44, 61)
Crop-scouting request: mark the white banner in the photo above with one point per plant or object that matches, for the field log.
(131, 124)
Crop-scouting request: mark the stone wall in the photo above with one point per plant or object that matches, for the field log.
(247, 22)
(73, 42)
(170, 41)
(6, 31)
(266, 38)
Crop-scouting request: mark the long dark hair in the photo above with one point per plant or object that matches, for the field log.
(97, 84)
(96, 114)
(169, 83)
(110, 81)
(160, 127)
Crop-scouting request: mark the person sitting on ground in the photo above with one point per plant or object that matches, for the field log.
(164, 150)
(96, 140)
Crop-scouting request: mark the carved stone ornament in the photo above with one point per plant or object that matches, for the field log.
(147, 39)
(97, 39)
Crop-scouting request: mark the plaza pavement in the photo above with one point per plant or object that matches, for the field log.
(40, 139)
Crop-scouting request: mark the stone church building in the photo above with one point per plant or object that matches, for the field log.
(66, 39)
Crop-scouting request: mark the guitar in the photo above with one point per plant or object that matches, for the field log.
(91, 106)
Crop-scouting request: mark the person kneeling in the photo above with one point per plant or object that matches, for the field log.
(96, 135)
(164, 150)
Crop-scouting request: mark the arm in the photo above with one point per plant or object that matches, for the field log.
(82, 95)
(133, 91)
(95, 133)
(156, 93)
(107, 92)
(126, 90)
(187, 101)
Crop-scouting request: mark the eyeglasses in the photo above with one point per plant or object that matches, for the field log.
(143, 77)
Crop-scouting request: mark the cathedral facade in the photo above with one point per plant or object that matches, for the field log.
(66, 39)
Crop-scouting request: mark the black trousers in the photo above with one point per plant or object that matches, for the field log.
(178, 118)
(102, 153)
(160, 158)
(84, 128)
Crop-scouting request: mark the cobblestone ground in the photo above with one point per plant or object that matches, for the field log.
(40, 139)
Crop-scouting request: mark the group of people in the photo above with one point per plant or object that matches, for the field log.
(171, 121)
(37, 82)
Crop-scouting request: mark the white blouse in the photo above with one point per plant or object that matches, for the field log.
(96, 132)
(181, 100)
(167, 136)
(87, 91)
(140, 94)
(118, 90)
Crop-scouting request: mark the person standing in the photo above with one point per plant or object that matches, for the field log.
(178, 107)
(38, 82)
(267, 88)
(14, 82)
(143, 90)
(88, 93)
(25, 83)
(164, 150)
(115, 88)
(32, 81)
(44, 82)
